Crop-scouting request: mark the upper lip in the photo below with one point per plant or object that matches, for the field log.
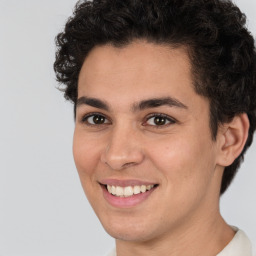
(125, 183)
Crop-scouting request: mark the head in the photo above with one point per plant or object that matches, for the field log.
(211, 34)
(220, 48)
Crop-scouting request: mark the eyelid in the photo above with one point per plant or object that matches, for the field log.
(85, 117)
(170, 119)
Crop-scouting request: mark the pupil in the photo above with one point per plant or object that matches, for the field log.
(159, 120)
(98, 119)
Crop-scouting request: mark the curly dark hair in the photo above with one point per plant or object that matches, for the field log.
(221, 50)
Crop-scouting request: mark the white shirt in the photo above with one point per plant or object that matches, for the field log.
(240, 245)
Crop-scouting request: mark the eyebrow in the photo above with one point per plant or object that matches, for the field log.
(92, 102)
(158, 102)
(144, 104)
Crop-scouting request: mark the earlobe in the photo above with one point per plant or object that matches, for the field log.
(233, 136)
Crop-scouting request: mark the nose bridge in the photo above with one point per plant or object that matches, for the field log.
(123, 148)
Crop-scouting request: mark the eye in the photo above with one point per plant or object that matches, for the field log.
(159, 120)
(95, 119)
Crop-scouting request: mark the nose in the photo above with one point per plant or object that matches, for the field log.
(123, 149)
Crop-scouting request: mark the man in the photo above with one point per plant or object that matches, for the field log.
(164, 96)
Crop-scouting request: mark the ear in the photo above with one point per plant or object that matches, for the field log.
(231, 138)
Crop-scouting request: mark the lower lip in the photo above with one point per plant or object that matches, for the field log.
(126, 202)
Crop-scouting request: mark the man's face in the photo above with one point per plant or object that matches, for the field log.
(139, 122)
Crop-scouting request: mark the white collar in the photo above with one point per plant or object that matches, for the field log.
(240, 245)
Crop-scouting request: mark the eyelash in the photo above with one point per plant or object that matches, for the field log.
(157, 115)
(166, 118)
(87, 116)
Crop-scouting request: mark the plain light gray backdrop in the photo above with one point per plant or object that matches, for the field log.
(43, 210)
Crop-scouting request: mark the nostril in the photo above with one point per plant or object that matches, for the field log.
(120, 166)
(129, 164)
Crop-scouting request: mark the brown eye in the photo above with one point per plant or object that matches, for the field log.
(95, 119)
(159, 120)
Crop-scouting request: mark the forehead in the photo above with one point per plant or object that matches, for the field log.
(136, 57)
(138, 70)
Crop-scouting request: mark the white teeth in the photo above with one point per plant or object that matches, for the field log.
(136, 190)
(119, 191)
(143, 188)
(113, 190)
(129, 190)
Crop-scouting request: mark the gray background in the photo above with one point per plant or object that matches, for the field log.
(43, 210)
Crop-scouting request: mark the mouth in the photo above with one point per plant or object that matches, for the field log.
(129, 190)
(126, 194)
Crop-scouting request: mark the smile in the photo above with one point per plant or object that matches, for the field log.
(128, 191)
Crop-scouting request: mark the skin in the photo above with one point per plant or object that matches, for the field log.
(181, 216)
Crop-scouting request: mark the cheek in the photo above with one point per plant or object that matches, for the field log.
(185, 163)
(86, 154)
(87, 157)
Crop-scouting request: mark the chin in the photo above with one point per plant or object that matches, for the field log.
(128, 230)
(129, 235)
